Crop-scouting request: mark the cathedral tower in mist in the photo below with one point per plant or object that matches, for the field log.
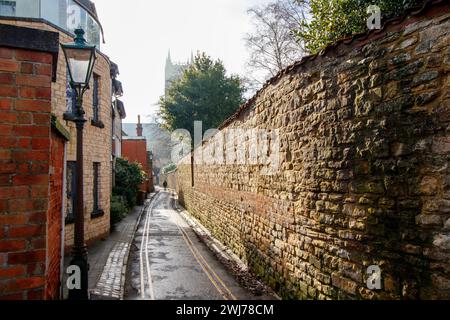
(175, 70)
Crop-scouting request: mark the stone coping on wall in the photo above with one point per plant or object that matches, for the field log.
(31, 39)
(59, 128)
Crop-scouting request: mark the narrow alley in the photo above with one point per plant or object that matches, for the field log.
(169, 262)
(233, 150)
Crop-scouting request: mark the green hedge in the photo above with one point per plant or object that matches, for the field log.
(129, 176)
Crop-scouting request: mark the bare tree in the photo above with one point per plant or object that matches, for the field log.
(272, 44)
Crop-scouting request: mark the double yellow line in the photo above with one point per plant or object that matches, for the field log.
(217, 282)
(144, 250)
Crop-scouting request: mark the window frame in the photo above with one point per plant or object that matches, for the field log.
(71, 99)
(96, 101)
(71, 195)
(96, 194)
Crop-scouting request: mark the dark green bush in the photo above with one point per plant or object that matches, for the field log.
(129, 176)
(332, 20)
(119, 210)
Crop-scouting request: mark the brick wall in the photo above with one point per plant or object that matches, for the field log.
(97, 141)
(135, 151)
(364, 171)
(25, 103)
(54, 218)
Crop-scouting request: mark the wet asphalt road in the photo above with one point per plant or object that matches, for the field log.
(169, 262)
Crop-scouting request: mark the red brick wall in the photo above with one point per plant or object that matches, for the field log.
(25, 106)
(136, 151)
(54, 218)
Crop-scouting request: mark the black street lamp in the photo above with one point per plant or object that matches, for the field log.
(80, 58)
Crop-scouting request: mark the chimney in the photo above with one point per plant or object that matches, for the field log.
(139, 127)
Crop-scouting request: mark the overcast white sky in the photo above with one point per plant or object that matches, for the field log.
(139, 33)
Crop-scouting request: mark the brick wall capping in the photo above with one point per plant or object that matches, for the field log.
(59, 128)
(31, 39)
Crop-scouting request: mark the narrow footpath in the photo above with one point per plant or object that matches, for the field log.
(169, 262)
(107, 260)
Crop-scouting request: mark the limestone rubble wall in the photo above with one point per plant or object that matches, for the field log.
(363, 175)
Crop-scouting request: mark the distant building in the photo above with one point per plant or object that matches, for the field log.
(174, 70)
(118, 114)
(158, 143)
(134, 149)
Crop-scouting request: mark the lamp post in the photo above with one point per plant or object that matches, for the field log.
(150, 158)
(80, 58)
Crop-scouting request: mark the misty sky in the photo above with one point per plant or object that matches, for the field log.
(139, 33)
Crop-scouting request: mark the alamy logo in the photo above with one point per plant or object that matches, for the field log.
(374, 279)
(231, 146)
(374, 21)
(74, 279)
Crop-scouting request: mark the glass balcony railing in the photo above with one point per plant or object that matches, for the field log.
(66, 14)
